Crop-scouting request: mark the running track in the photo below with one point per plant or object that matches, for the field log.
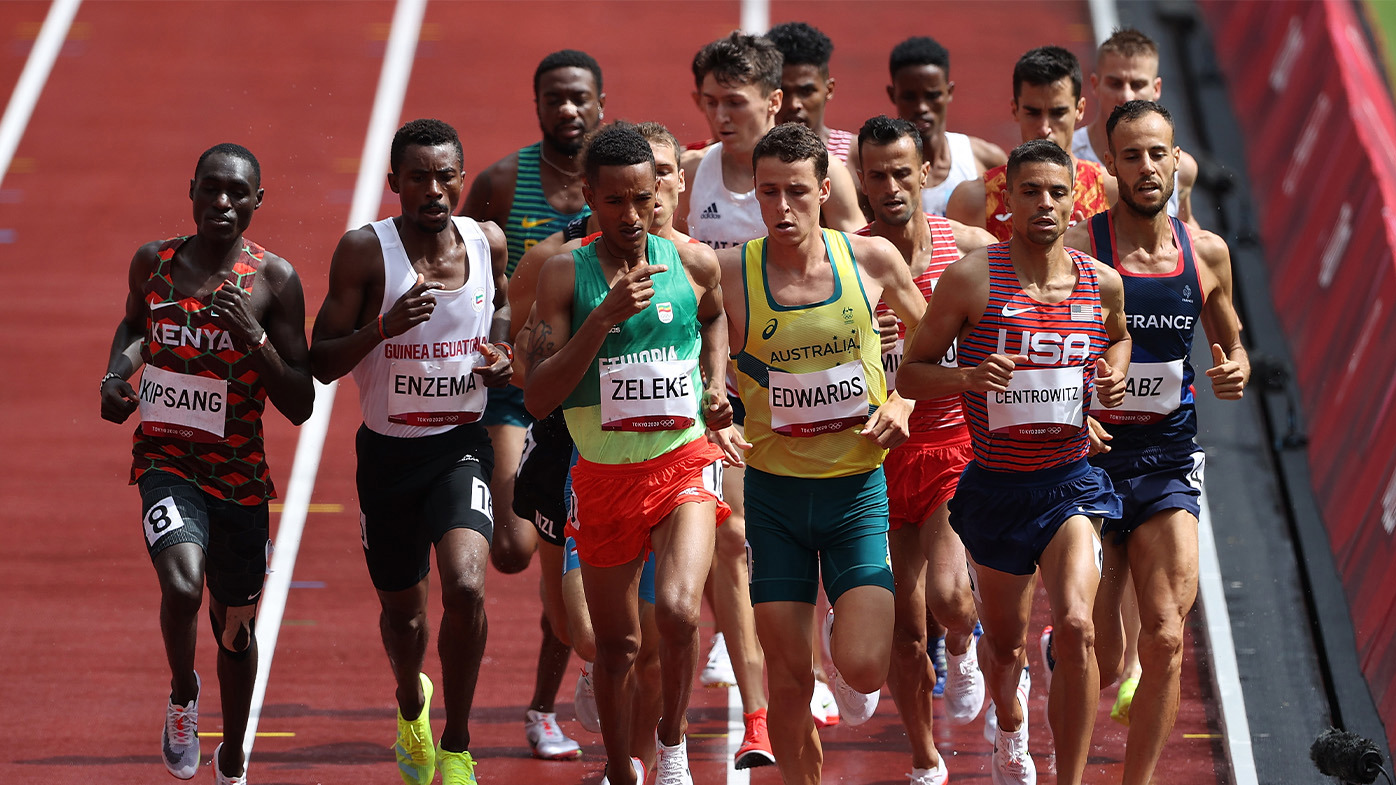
(139, 89)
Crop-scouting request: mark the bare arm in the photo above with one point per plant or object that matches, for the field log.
(987, 155)
(1113, 366)
(1231, 365)
(1079, 237)
(970, 238)
(1187, 179)
(499, 367)
(841, 211)
(491, 195)
(118, 397)
(889, 425)
(284, 362)
(957, 303)
(966, 203)
(700, 262)
(688, 162)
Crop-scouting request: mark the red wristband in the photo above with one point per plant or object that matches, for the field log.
(381, 332)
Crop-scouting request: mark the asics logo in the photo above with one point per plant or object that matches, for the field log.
(1009, 310)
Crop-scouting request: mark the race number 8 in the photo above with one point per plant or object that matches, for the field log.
(160, 519)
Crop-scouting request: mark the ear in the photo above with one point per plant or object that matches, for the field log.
(925, 172)
(683, 180)
(1109, 162)
(829, 86)
(601, 102)
(588, 195)
(1080, 109)
(697, 99)
(1158, 88)
(393, 183)
(949, 92)
(892, 93)
(260, 193)
(1095, 83)
(773, 103)
(1013, 108)
(825, 189)
(191, 188)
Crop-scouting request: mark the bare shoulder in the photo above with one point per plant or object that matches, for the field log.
(987, 154)
(1079, 237)
(1211, 249)
(493, 234)
(689, 160)
(969, 238)
(877, 254)
(701, 263)
(1108, 276)
(277, 271)
(1187, 170)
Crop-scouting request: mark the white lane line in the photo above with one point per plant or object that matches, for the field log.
(368, 193)
(756, 18)
(33, 77)
(736, 729)
(1105, 19)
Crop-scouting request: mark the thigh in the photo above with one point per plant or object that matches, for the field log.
(460, 498)
(782, 563)
(683, 550)
(173, 511)
(1071, 566)
(909, 575)
(239, 547)
(786, 632)
(1163, 559)
(1004, 602)
(851, 533)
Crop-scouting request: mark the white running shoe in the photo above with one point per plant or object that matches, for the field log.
(936, 776)
(179, 739)
(639, 768)
(546, 740)
(584, 701)
(855, 707)
(671, 766)
(1012, 764)
(964, 686)
(718, 671)
(822, 705)
(219, 778)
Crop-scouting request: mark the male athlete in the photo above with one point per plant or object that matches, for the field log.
(1173, 277)
(632, 349)
(417, 310)
(1047, 104)
(1039, 326)
(805, 85)
(218, 323)
(928, 560)
(819, 419)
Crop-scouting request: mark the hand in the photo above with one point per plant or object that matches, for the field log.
(498, 368)
(412, 308)
(994, 373)
(1228, 377)
(887, 330)
(118, 400)
(629, 295)
(232, 305)
(1109, 384)
(888, 427)
(717, 410)
(730, 441)
(1098, 437)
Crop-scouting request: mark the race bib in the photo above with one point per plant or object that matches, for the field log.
(1152, 391)
(183, 406)
(649, 396)
(431, 393)
(1041, 404)
(810, 404)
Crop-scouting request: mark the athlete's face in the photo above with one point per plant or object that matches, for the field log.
(738, 116)
(805, 92)
(1120, 79)
(569, 107)
(1041, 200)
(1048, 111)
(922, 95)
(893, 175)
(225, 192)
(428, 185)
(1143, 160)
(622, 199)
(789, 195)
(670, 185)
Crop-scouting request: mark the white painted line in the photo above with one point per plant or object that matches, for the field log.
(368, 192)
(32, 79)
(736, 729)
(756, 16)
(1105, 19)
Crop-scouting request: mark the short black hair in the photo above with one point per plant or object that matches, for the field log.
(802, 44)
(617, 144)
(1045, 65)
(233, 151)
(791, 142)
(883, 130)
(567, 58)
(919, 50)
(1135, 110)
(425, 132)
(1038, 151)
(738, 60)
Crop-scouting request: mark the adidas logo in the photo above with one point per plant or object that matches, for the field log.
(711, 212)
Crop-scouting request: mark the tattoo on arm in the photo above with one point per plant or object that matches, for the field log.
(541, 345)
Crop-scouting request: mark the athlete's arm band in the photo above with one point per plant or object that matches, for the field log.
(506, 349)
(381, 332)
(111, 375)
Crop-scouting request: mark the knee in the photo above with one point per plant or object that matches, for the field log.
(1161, 642)
(791, 686)
(464, 594)
(731, 541)
(1073, 639)
(182, 592)
(508, 553)
(1001, 652)
(617, 655)
(909, 642)
(951, 603)
(676, 614)
(865, 672)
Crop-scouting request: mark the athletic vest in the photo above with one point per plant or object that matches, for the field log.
(201, 396)
(932, 414)
(1081, 148)
(963, 167)
(840, 142)
(810, 371)
(1089, 197)
(531, 217)
(1040, 421)
(642, 396)
(420, 383)
(1162, 311)
(717, 216)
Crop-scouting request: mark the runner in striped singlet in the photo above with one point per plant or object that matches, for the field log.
(1039, 326)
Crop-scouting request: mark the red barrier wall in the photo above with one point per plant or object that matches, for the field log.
(1320, 139)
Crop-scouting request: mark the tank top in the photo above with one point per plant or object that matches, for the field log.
(717, 216)
(1081, 148)
(531, 218)
(810, 371)
(1088, 196)
(420, 383)
(963, 166)
(931, 414)
(1162, 315)
(201, 396)
(839, 143)
(1039, 423)
(642, 396)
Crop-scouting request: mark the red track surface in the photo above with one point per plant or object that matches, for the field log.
(140, 90)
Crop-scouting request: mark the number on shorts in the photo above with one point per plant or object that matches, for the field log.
(1199, 463)
(160, 519)
(712, 478)
(480, 498)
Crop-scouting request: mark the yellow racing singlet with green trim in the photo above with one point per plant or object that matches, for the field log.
(810, 375)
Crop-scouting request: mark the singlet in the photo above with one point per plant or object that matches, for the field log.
(963, 166)
(201, 396)
(1040, 421)
(642, 395)
(531, 217)
(839, 143)
(931, 414)
(1081, 148)
(420, 383)
(1089, 197)
(810, 371)
(717, 216)
(1162, 314)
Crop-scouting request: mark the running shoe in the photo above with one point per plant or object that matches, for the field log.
(671, 768)
(636, 764)
(584, 701)
(457, 768)
(416, 754)
(854, 707)
(964, 686)
(718, 671)
(822, 706)
(991, 718)
(1123, 700)
(546, 739)
(179, 739)
(935, 776)
(756, 742)
(941, 665)
(1012, 764)
(219, 778)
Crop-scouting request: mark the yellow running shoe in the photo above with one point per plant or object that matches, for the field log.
(457, 768)
(1123, 700)
(416, 753)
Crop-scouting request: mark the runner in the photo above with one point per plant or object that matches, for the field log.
(218, 323)
(1039, 326)
(820, 422)
(928, 560)
(1047, 104)
(417, 309)
(805, 85)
